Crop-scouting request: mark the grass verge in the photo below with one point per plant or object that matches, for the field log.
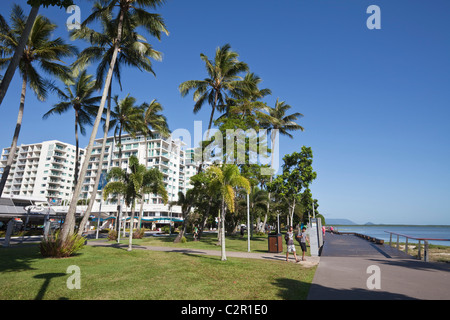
(113, 274)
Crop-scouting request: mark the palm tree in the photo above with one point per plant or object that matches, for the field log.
(223, 79)
(133, 51)
(126, 116)
(185, 201)
(154, 122)
(131, 13)
(246, 98)
(227, 178)
(152, 183)
(39, 50)
(128, 184)
(78, 95)
(279, 122)
(14, 63)
(9, 74)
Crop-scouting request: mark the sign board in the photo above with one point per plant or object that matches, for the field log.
(313, 232)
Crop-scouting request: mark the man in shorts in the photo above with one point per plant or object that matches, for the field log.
(289, 237)
(303, 239)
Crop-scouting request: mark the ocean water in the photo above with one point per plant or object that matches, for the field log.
(379, 231)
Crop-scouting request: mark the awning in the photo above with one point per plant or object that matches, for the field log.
(146, 219)
(161, 219)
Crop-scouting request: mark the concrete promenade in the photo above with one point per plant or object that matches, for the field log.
(350, 269)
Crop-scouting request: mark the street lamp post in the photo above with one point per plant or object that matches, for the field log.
(278, 222)
(248, 221)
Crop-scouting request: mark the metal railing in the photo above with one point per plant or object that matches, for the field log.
(425, 241)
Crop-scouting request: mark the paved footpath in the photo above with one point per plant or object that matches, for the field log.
(352, 268)
(310, 261)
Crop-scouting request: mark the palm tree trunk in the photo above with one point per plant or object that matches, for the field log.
(205, 217)
(13, 148)
(292, 212)
(183, 228)
(77, 150)
(141, 211)
(219, 228)
(99, 169)
(9, 74)
(130, 238)
(124, 225)
(69, 222)
(223, 253)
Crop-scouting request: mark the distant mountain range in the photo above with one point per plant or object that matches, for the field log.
(338, 222)
(345, 222)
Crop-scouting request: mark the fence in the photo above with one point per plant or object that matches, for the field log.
(425, 240)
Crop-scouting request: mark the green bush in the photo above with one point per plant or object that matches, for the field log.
(112, 235)
(183, 239)
(165, 229)
(138, 234)
(54, 247)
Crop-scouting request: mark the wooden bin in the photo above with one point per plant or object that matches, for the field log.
(275, 242)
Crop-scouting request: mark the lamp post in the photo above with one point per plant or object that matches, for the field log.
(278, 222)
(248, 221)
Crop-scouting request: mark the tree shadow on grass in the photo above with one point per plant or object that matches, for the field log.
(16, 259)
(291, 289)
(47, 277)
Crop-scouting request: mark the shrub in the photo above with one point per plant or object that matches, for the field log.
(165, 229)
(183, 239)
(54, 247)
(138, 234)
(112, 235)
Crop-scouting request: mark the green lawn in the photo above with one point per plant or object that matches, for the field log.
(113, 273)
(209, 242)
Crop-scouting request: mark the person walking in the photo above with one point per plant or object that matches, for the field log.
(195, 233)
(289, 238)
(303, 240)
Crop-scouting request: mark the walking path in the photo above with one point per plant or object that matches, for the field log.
(350, 268)
(310, 261)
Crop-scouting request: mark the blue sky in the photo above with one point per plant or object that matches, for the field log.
(375, 102)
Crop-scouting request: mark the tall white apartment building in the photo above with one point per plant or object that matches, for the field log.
(46, 170)
(41, 170)
(165, 154)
